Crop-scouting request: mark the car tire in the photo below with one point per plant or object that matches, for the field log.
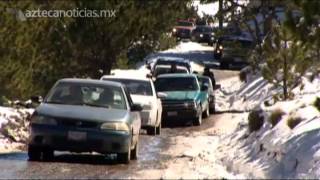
(125, 157)
(134, 152)
(198, 120)
(48, 154)
(151, 130)
(34, 153)
(212, 109)
(158, 129)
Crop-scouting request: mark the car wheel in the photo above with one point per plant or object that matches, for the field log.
(34, 153)
(151, 130)
(134, 152)
(158, 129)
(47, 154)
(125, 157)
(198, 120)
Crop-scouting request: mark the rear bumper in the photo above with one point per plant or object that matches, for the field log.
(58, 138)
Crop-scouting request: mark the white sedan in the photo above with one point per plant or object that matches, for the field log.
(142, 92)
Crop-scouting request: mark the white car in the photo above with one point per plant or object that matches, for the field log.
(142, 92)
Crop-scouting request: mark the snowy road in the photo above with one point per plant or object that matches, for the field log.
(180, 152)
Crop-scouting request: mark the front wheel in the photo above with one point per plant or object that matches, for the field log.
(125, 157)
(34, 153)
(158, 129)
(151, 130)
(198, 120)
(134, 152)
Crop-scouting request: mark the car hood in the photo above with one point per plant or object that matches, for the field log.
(181, 95)
(142, 100)
(82, 112)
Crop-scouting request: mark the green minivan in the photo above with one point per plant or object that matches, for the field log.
(182, 97)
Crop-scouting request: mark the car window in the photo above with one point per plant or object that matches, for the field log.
(136, 87)
(88, 95)
(203, 81)
(166, 69)
(176, 84)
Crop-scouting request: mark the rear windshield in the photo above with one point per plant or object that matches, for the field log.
(176, 84)
(136, 87)
(236, 43)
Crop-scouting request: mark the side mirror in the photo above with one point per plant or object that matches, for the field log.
(204, 87)
(36, 99)
(161, 95)
(136, 107)
(217, 86)
(195, 72)
(148, 66)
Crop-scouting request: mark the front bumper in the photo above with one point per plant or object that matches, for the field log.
(58, 138)
(171, 114)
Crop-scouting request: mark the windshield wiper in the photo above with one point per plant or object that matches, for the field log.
(95, 105)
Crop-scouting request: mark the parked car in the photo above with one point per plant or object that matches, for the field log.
(82, 115)
(142, 92)
(183, 29)
(163, 66)
(203, 34)
(182, 98)
(233, 49)
(206, 81)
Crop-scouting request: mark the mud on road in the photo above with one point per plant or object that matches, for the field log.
(180, 152)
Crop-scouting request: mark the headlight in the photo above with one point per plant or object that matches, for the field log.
(117, 126)
(220, 47)
(43, 120)
(174, 30)
(201, 35)
(212, 34)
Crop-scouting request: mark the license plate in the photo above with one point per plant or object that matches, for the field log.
(77, 136)
(172, 113)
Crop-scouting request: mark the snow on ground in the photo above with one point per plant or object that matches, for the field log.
(279, 151)
(13, 128)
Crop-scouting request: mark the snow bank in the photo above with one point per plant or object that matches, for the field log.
(279, 151)
(13, 127)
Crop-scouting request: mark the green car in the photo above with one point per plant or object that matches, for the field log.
(82, 115)
(182, 97)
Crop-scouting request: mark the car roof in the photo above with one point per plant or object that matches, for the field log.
(89, 81)
(173, 75)
(125, 77)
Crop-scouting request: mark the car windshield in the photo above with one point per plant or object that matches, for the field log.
(167, 69)
(176, 84)
(236, 43)
(87, 95)
(137, 87)
(203, 29)
(184, 23)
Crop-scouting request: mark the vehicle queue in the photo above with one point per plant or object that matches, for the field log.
(106, 115)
